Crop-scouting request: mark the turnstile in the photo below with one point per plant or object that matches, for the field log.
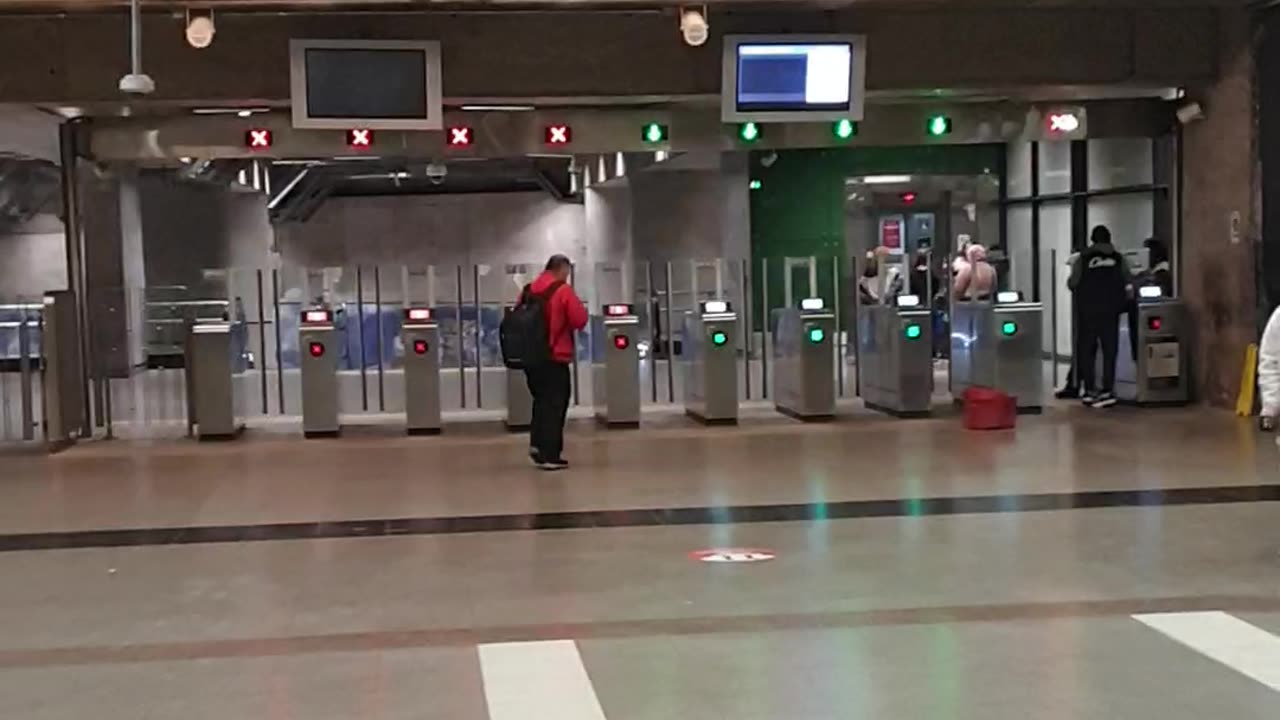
(61, 385)
(215, 406)
(519, 401)
(1151, 369)
(616, 368)
(711, 375)
(319, 368)
(895, 357)
(804, 362)
(997, 345)
(421, 337)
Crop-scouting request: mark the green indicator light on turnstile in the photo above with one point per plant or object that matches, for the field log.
(939, 125)
(817, 335)
(1009, 327)
(844, 129)
(654, 133)
(749, 132)
(755, 185)
(912, 331)
(719, 338)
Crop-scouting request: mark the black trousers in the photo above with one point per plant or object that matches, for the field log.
(549, 386)
(1098, 331)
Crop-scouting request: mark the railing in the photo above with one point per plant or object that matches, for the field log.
(21, 387)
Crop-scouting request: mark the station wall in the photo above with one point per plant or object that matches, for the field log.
(33, 259)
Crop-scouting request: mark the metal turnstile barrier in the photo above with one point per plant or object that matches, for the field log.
(804, 362)
(421, 337)
(1151, 369)
(616, 370)
(214, 405)
(997, 345)
(895, 357)
(519, 416)
(319, 367)
(519, 402)
(64, 408)
(709, 358)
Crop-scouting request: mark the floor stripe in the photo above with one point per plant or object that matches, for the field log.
(1245, 648)
(640, 517)
(537, 681)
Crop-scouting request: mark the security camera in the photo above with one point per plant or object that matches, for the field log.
(137, 84)
(436, 172)
(1189, 112)
(693, 26)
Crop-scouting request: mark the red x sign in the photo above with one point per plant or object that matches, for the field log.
(558, 135)
(360, 138)
(1063, 122)
(257, 138)
(459, 136)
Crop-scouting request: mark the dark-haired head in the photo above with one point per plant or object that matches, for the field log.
(1100, 234)
(559, 266)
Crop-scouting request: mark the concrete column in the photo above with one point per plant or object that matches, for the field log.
(1217, 266)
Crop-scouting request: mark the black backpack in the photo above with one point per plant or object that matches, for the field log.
(525, 330)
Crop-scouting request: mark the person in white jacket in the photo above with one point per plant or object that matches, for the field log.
(1269, 372)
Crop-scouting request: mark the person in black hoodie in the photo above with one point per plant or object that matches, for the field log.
(1101, 282)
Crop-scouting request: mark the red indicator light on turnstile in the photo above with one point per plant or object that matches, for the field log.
(622, 342)
(459, 136)
(360, 138)
(420, 347)
(557, 135)
(257, 138)
(1154, 323)
(316, 349)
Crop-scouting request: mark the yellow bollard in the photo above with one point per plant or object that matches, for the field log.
(1248, 380)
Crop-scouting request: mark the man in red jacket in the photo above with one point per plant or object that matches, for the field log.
(549, 383)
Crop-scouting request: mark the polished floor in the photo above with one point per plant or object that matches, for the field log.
(1118, 564)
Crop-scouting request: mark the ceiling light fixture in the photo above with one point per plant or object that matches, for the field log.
(200, 28)
(497, 108)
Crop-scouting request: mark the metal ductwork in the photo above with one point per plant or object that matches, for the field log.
(28, 187)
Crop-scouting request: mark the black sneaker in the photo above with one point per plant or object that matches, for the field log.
(553, 465)
(1105, 400)
(1070, 392)
(1088, 399)
(534, 455)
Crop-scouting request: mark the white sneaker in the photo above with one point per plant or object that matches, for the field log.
(1105, 400)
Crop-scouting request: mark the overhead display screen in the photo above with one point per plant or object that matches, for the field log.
(371, 84)
(793, 78)
(366, 83)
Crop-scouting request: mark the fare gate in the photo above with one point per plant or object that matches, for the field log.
(997, 345)
(421, 372)
(213, 403)
(1151, 367)
(709, 355)
(616, 371)
(895, 357)
(804, 380)
(319, 368)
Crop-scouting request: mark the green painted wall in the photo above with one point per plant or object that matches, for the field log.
(798, 210)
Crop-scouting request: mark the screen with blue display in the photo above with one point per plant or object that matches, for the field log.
(793, 77)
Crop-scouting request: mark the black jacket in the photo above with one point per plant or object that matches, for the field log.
(1100, 280)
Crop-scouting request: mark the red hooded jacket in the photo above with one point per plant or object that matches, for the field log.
(565, 314)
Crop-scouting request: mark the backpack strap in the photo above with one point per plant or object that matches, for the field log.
(551, 290)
